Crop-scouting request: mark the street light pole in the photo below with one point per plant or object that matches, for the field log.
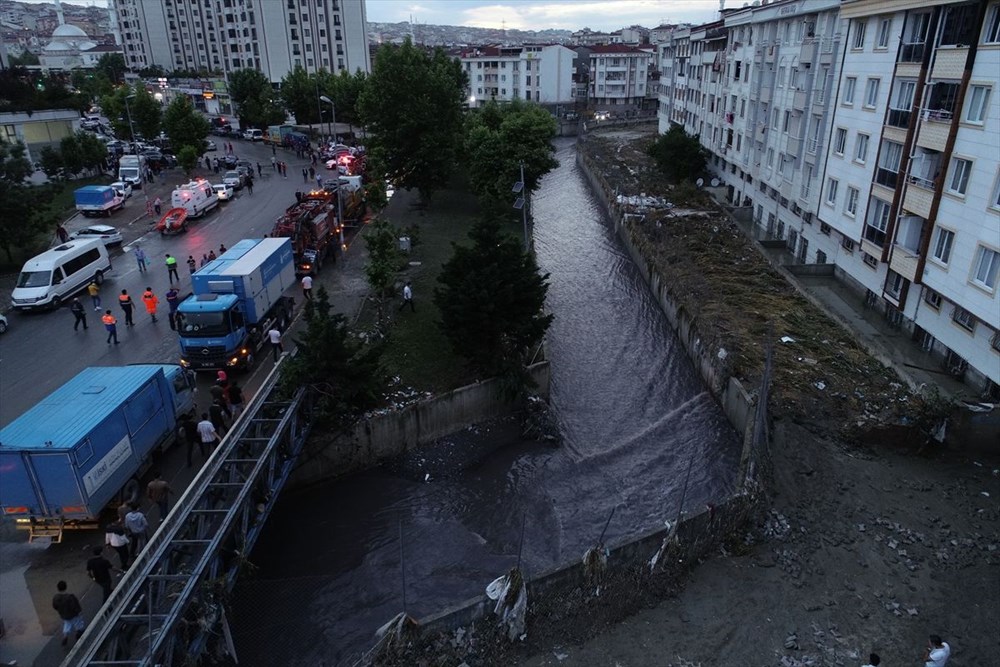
(333, 108)
(319, 107)
(131, 127)
(521, 203)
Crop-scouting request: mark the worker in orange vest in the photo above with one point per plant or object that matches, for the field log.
(125, 301)
(151, 302)
(111, 324)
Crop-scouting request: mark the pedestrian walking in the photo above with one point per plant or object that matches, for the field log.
(312, 173)
(190, 432)
(222, 248)
(95, 294)
(140, 256)
(99, 571)
(272, 151)
(70, 612)
(78, 312)
(159, 491)
(173, 298)
(937, 652)
(319, 181)
(305, 175)
(111, 324)
(151, 301)
(274, 161)
(208, 437)
(171, 263)
(192, 265)
(307, 287)
(259, 174)
(126, 303)
(250, 187)
(275, 337)
(116, 537)
(157, 205)
(218, 390)
(236, 401)
(138, 529)
(211, 256)
(204, 259)
(284, 170)
(408, 298)
(208, 162)
(219, 413)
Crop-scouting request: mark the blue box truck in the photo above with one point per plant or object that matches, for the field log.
(83, 447)
(235, 300)
(97, 200)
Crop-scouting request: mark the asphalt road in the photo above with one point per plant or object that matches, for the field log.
(41, 351)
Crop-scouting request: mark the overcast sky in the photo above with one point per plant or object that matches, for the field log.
(534, 14)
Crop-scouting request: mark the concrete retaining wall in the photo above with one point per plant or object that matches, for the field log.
(385, 436)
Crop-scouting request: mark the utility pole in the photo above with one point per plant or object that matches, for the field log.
(521, 203)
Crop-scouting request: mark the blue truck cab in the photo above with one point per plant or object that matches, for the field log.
(83, 447)
(235, 300)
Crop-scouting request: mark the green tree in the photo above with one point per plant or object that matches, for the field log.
(51, 161)
(23, 220)
(92, 150)
(300, 93)
(343, 373)
(679, 155)
(254, 98)
(412, 104)
(146, 112)
(185, 126)
(345, 89)
(25, 59)
(93, 85)
(112, 66)
(491, 297)
(383, 261)
(72, 155)
(187, 158)
(498, 139)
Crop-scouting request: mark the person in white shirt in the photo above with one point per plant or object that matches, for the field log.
(307, 286)
(408, 297)
(275, 337)
(207, 435)
(137, 527)
(937, 652)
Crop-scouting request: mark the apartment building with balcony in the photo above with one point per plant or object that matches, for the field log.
(619, 74)
(542, 73)
(864, 134)
(226, 35)
(911, 183)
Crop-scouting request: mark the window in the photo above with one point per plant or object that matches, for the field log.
(884, 26)
(960, 170)
(839, 141)
(995, 200)
(878, 221)
(849, 86)
(824, 229)
(831, 190)
(991, 35)
(781, 77)
(786, 119)
(851, 207)
(859, 35)
(932, 298)
(959, 25)
(861, 148)
(964, 318)
(975, 108)
(770, 158)
(871, 93)
(869, 260)
(943, 240)
(985, 268)
(888, 164)
(820, 257)
(847, 244)
(894, 284)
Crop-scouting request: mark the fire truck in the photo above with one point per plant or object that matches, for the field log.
(311, 223)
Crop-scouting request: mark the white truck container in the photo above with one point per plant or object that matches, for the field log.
(197, 197)
(132, 169)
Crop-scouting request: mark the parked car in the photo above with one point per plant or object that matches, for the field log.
(123, 189)
(233, 179)
(3, 323)
(230, 161)
(209, 146)
(254, 135)
(224, 191)
(106, 233)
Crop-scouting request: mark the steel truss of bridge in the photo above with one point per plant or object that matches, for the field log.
(169, 609)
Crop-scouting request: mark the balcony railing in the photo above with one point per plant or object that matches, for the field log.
(886, 177)
(813, 145)
(936, 115)
(921, 181)
(899, 118)
(911, 53)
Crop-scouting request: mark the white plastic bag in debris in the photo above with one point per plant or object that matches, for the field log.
(670, 538)
(511, 595)
(391, 635)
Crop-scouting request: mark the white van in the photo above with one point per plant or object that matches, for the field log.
(197, 198)
(57, 274)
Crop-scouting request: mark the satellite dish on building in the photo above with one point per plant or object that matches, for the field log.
(700, 182)
(715, 182)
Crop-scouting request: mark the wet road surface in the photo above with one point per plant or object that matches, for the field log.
(633, 416)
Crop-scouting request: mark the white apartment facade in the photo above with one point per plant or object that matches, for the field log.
(619, 74)
(535, 73)
(866, 135)
(273, 36)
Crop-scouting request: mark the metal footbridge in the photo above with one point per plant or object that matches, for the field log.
(169, 607)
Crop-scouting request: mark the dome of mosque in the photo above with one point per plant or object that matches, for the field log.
(71, 31)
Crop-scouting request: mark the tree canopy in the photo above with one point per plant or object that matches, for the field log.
(679, 155)
(383, 260)
(23, 219)
(300, 93)
(185, 126)
(412, 106)
(112, 66)
(491, 297)
(498, 139)
(254, 98)
(343, 372)
(146, 112)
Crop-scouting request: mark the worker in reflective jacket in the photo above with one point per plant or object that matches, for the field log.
(151, 302)
(111, 324)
